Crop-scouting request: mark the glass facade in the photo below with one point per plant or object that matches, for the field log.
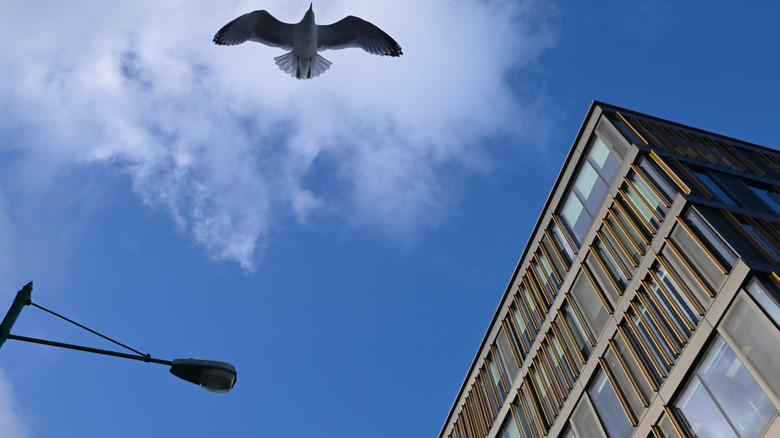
(654, 268)
(723, 399)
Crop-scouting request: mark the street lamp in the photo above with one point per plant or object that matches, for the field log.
(214, 376)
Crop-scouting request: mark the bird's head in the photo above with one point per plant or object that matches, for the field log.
(309, 13)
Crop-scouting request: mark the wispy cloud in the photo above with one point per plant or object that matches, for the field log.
(14, 424)
(230, 146)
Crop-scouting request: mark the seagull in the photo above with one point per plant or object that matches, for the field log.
(305, 39)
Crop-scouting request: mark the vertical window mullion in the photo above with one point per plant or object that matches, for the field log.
(577, 314)
(656, 322)
(620, 244)
(642, 200)
(510, 335)
(648, 350)
(567, 354)
(652, 334)
(653, 302)
(546, 256)
(552, 376)
(525, 314)
(566, 265)
(723, 270)
(637, 357)
(674, 276)
(684, 260)
(670, 173)
(629, 219)
(650, 185)
(629, 374)
(531, 305)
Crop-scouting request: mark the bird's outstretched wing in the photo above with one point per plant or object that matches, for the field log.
(258, 26)
(356, 32)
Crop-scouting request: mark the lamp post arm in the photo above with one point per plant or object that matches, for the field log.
(146, 358)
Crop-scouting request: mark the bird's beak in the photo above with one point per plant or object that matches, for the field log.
(310, 5)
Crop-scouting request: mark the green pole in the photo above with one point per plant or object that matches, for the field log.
(22, 299)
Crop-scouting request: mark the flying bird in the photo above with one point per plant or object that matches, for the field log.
(306, 39)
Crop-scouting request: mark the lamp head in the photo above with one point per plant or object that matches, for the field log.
(211, 375)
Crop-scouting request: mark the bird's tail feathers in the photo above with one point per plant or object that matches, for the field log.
(302, 68)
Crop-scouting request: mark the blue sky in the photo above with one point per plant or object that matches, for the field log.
(342, 241)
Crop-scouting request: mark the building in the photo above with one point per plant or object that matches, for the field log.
(647, 300)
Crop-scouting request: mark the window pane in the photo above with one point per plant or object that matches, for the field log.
(584, 420)
(658, 178)
(589, 304)
(608, 407)
(715, 188)
(702, 413)
(505, 350)
(623, 381)
(509, 429)
(605, 161)
(769, 197)
(767, 298)
(575, 216)
(700, 226)
(736, 391)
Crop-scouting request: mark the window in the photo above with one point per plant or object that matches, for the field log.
(507, 356)
(630, 389)
(617, 273)
(584, 420)
(562, 244)
(723, 399)
(498, 377)
(767, 297)
(658, 179)
(700, 227)
(509, 429)
(755, 336)
(770, 198)
(589, 189)
(608, 407)
(714, 188)
(590, 304)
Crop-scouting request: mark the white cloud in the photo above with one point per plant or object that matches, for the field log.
(230, 146)
(12, 422)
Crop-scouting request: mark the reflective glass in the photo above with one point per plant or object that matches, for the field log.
(715, 188)
(736, 391)
(701, 412)
(590, 305)
(658, 178)
(509, 429)
(769, 197)
(761, 240)
(605, 161)
(700, 226)
(608, 407)
(577, 331)
(578, 220)
(505, 350)
(766, 299)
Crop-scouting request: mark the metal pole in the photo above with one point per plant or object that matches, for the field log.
(146, 358)
(22, 299)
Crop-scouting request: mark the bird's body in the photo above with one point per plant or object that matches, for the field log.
(305, 39)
